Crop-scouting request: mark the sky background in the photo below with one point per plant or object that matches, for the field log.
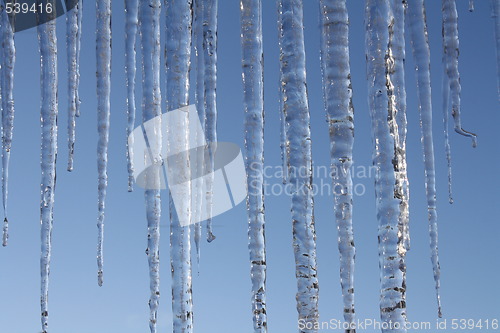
(468, 229)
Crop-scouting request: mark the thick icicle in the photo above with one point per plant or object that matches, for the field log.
(47, 41)
(103, 55)
(253, 85)
(380, 96)
(200, 106)
(149, 13)
(7, 98)
(495, 13)
(451, 50)
(73, 35)
(210, 8)
(421, 56)
(337, 90)
(178, 54)
(298, 136)
(131, 17)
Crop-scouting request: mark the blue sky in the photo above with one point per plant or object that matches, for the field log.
(469, 228)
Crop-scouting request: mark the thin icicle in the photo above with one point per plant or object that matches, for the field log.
(337, 90)
(200, 107)
(495, 13)
(253, 84)
(178, 54)
(283, 143)
(210, 8)
(131, 17)
(421, 56)
(78, 54)
(471, 5)
(446, 99)
(7, 98)
(380, 97)
(47, 41)
(103, 55)
(451, 50)
(73, 34)
(149, 13)
(298, 136)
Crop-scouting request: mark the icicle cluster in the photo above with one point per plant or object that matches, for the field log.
(298, 138)
(337, 90)
(253, 85)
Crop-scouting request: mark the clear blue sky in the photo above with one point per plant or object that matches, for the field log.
(469, 229)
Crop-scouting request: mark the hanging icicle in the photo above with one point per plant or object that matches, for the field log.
(495, 13)
(149, 13)
(451, 50)
(298, 136)
(445, 88)
(381, 101)
(471, 6)
(210, 8)
(73, 36)
(103, 55)
(421, 56)
(178, 54)
(131, 17)
(253, 85)
(337, 90)
(7, 98)
(47, 41)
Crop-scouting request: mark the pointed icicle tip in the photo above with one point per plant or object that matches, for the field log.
(211, 237)
(100, 278)
(5, 238)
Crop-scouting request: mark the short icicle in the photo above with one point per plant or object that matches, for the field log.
(178, 53)
(471, 5)
(47, 42)
(337, 90)
(451, 50)
(131, 22)
(298, 136)
(253, 86)
(421, 56)
(103, 57)
(7, 98)
(381, 101)
(149, 13)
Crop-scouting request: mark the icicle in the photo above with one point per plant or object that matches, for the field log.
(451, 50)
(78, 53)
(151, 109)
(103, 55)
(283, 143)
(471, 6)
(337, 90)
(210, 8)
(421, 56)
(381, 102)
(495, 13)
(131, 9)
(446, 99)
(200, 107)
(296, 108)
(253, 84)
(7, 98)
(73, 34)
(178, 54)
(47, 41)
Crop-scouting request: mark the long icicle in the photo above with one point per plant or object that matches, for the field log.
(47, 41)
(380, 97)
(131, 17)
(421, 56)
(78, 55)
(445, 88)
(178, 54)
(200, 106)
(73, 35)
(337, 90)
(7, 92)
(495, 13)
(103, 57)
(298, 134)
(149, 13)
(210, 9)
(253, 84)
(451, 50)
